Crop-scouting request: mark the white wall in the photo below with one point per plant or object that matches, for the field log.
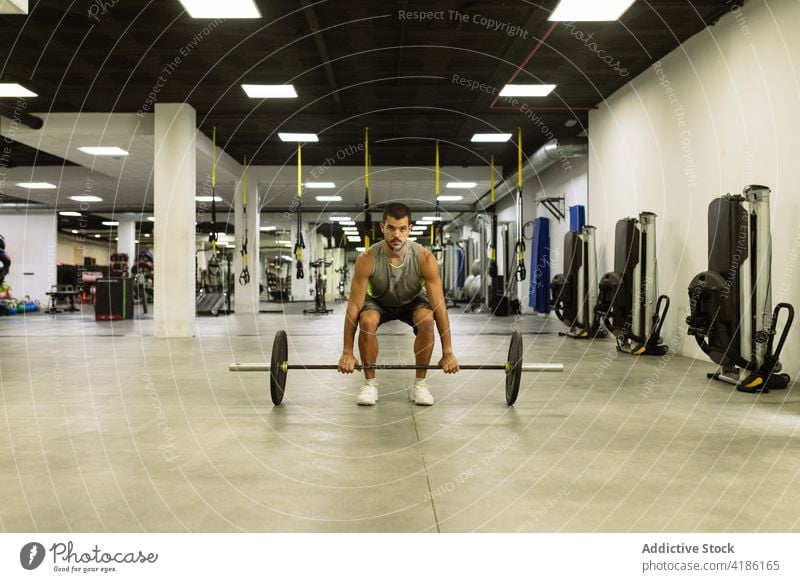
(562, 179)
(718, 113)
(31, 244)
(72, 250)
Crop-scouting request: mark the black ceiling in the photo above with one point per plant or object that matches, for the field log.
(355, 63)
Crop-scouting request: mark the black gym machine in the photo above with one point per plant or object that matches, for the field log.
(628, 301)
(573, 293)
(732, 318)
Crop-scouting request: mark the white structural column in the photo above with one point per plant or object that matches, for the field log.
(174, 191)
(126, 233)
(246, 297)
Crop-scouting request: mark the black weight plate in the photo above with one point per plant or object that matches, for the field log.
(277, 375)
(514, 374)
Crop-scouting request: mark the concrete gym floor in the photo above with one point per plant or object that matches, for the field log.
(104, 428)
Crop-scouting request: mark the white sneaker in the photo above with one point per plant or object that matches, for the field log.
(421, 395)
(368, 395)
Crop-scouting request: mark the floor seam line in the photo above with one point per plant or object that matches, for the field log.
(425, 467)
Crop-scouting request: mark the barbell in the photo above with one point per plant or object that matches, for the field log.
(279, 366)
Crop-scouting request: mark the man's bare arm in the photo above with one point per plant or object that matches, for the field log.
(435, 290)
(358, 293)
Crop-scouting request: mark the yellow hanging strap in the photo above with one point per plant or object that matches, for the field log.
(433, 226)
(521, 272)
(437, 169)
(244, 276)
(519, 158)
(371, 224)
(244, 185)
(492, 242)
(299, 244)
(212, 237)
(299, 172)
(491, 181)
(367, 194)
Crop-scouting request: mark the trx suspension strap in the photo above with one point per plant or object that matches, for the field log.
(212, 237)
(244, 276)
(520, 248)
(299, 245)
(493, 243)
(438, 208)
(369, 234)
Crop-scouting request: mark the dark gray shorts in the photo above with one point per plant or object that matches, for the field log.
(404, 313)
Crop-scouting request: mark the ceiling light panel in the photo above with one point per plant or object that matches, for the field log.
(217, 9)
(590, 10)
(270, 91)
(491, 137)
(15, 90)
(103, 151)
(298, 137)
(526, 90)
(37, 185)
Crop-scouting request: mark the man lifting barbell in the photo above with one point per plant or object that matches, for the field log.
(396, 279)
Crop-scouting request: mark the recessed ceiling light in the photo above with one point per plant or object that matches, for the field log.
(147, 235)
(97, 236)
(15, 90)
(110, 223)
(526, 90)
(153, 219)
(37, 185)
(74, 231)
(270, 91)
(412, 238)
(208, 198)
(69, 213)
(347, 222)
(431, 218)
(268, 228)
(449, 198)
(339, 218)
(361, 249)
(571, 123)
(320, 185)
(86, 198)
(424, 222)
(462, 185)
(491, 137)
(328, 198)
(226, 9)
(590, 10)
(103, 151)
(136, 242)
(298, 137)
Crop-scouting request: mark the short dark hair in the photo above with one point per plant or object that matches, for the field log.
(397, 210)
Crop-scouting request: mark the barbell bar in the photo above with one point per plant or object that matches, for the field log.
(260, 367)
(279, 366)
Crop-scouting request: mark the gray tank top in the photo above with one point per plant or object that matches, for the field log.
(395, 286)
